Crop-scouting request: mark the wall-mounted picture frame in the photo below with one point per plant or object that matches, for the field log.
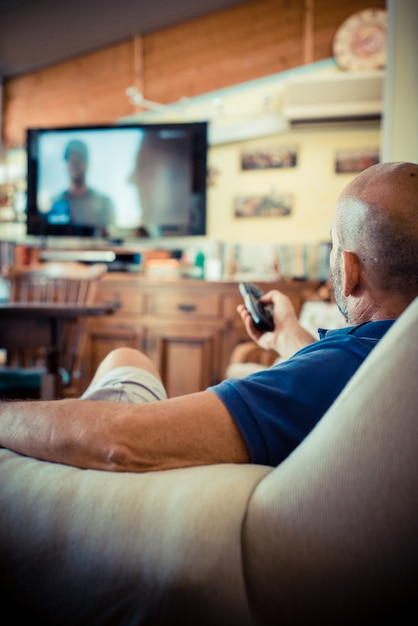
(355, 161)
(273, 157)
(273, 205)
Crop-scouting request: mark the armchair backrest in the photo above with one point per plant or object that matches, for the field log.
(331, 534)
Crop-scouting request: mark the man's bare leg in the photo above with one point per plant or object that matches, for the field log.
(121, 357)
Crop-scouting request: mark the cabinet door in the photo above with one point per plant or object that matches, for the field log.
(105, 337)
(123, 328)
(187, 356)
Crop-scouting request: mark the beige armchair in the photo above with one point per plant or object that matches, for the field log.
(327, 537)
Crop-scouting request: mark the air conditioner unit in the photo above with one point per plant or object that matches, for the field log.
(227, 131)
(340, 96)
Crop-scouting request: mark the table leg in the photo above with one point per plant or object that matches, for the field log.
(51, 385)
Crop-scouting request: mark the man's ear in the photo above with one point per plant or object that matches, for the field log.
(351, 272)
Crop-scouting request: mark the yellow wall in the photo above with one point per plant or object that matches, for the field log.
(314, 185)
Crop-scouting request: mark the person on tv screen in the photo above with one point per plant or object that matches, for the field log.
(80, 205)
(163, 178)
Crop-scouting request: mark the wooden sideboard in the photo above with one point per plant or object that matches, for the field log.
(187, 327)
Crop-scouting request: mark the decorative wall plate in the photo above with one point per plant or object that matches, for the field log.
(360, 41)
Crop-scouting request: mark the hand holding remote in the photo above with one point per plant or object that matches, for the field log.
(260, 314)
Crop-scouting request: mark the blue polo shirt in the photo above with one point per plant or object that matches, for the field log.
(276, 408)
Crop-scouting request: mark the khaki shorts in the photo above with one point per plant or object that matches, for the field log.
(127, 384)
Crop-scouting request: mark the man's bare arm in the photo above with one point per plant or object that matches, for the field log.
(189, 430)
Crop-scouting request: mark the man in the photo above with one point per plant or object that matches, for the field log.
(163, 180)
(80, 205)
(262, 418)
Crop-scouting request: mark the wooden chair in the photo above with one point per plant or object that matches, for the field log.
(64, 283)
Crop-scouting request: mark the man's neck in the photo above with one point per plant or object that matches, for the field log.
(381, 309)
(78, 189)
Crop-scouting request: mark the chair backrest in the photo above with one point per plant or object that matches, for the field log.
(69, 283)
(65, 283)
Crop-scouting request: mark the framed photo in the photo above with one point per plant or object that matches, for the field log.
(269, 158)
(355, 161)
(274, 205)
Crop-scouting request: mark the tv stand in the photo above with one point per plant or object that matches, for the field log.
(117, 260)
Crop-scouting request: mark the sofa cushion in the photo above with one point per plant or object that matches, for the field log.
(95, 548)
(331, 534)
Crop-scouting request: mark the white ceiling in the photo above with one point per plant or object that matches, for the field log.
(39, 33)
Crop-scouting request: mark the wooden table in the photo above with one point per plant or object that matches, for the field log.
(25, 326)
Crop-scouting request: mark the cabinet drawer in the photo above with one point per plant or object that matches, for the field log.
(192, 304)
(118, 325)
(131, 300)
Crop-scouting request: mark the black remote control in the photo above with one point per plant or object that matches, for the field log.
(260, 314)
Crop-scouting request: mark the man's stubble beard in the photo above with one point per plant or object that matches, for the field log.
(337, 282)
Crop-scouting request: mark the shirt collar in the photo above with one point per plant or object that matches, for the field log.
(371, 330)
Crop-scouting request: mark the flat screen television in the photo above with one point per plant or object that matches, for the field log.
(117, 182)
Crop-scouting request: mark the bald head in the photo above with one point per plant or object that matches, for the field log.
(377, 219)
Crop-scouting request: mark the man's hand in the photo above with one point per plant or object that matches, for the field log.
(288, 335)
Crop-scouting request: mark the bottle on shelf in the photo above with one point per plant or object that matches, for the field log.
(199, 264)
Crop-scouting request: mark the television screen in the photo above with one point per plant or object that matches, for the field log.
(117, 182)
